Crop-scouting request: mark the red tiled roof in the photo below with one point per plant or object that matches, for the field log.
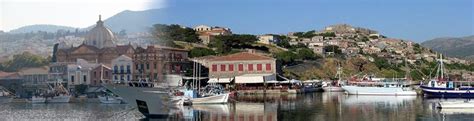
(8, 75)
(241, 57)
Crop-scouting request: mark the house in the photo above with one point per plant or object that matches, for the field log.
(100, 75)
(267, 39)
(206, 33)
(122, 67)
(35, 76)
(244, 67)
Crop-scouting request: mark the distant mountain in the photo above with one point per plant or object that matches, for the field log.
(134, 21)
(41, 27)
(462, 47)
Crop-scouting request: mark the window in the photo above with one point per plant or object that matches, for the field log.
(222, 67)
(72, 79)
(121, 69)
(115, 69)
(85, 78)
(142, 66)
(214, 68)
(136, 66)
(268, 67)
(250, 67)
(155, 65)
(106, 73)
(231, 67)
(115, 77)
(148, 66)
(128, 77)
(128, 69)
(95, 74)
(259, 67)
(241, 67)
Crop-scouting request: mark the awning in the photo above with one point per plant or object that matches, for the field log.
(255, 78)
(219, 80)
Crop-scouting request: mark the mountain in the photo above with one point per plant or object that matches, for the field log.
(41, 27)
(462, 47)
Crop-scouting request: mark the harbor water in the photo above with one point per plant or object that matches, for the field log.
(328, 106)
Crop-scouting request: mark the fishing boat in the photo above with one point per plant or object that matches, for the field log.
(57, 93)
(334, 86)
(211, 94)
(368, 86)
(456, 105)
(110, 99)
(5, 95)
(440, 86)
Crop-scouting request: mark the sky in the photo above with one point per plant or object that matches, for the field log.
(415, 20)
(73, 13)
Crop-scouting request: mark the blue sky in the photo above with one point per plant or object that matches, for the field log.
(416, 20)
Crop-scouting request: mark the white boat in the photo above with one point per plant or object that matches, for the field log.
(38, 99)
(151, 101)
(110, 99)
(456, 105)
(216, 99)
(333, 89)
(334, 86)
(375, 90)
(62, 98)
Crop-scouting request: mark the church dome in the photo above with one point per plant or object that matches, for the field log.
(100, 36)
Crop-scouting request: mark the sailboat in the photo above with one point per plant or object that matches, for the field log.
(211, 94)
(440, 86)
(334, 86)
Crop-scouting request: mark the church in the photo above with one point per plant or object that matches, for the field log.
(99, 46)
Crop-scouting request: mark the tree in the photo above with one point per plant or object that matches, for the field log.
(306, 54)
(199, 52)
(286, 57)
(165, 34)
(225, 43)
(24, 60)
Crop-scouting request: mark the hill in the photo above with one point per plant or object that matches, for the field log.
(461, 47)
(42, 27)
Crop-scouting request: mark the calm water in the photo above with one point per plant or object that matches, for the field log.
(307, 107)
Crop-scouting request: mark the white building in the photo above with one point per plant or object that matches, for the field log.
(79, 73)
(267, 39)
(122, 67)
(202, 28)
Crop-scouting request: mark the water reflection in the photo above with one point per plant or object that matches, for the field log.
(301, 107)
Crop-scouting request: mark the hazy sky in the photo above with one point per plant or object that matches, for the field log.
(416, 20)
(74, 13)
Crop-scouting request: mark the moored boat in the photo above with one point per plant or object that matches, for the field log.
(5, 95)
(371, 87)
(107, 99)
(38, 99)
(334, 86)
(440, 86)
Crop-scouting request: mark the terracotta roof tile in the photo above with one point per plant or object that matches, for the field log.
(241, 56)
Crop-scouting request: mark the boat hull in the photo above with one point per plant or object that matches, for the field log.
(217, 99)
(333, 89)
(447, 92)
(109, 100)
(38, 100)
(393, 91)
(151, 102)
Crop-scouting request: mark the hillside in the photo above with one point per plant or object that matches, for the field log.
(41, 27)
(462, 47)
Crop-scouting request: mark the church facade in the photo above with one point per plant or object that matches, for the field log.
(99, 47)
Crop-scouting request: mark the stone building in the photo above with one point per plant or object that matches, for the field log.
(153, 63)
(99, 47)
(122, 68)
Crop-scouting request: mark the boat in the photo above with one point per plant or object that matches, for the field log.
(108, 99)
(379, 87)
(443, 87)
(456, 105)
(151, 100)
(38, 99)
(56, 94)
(5, 95)
(334, 86)
(211, 94)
